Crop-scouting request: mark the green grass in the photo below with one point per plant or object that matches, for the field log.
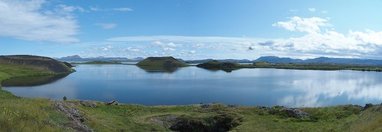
(9, 70)
(26, 114)
(21, 114)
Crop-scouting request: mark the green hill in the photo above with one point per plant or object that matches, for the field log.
(216, 65)
(161, 62)
(36, 62)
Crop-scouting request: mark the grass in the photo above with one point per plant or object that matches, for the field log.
(21, 114)
(26, 114)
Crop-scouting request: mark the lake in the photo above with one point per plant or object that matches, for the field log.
(192, 85)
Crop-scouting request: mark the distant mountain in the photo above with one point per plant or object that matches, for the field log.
(71, 58)
(77, 58)
(222, 60)
(275, 59)
(320, 60)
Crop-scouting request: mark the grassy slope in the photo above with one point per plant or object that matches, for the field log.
(22, 114)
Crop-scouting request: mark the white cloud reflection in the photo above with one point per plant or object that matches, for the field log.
(313, 92)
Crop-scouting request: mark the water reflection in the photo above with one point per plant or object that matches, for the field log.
(32, 80)
(159, 69)
(331, 90)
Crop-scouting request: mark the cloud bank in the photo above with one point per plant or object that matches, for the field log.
(28, 21)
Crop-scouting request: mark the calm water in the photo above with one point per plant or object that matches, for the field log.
(192, 85)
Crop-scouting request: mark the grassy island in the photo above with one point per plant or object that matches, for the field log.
(34, 114)
(160, 64)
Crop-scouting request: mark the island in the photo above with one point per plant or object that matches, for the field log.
(161, 64)
(217, 65)
(38, 114)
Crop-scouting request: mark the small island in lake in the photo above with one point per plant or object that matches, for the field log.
(160, 64)
(217, 65)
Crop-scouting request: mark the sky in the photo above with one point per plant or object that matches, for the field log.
(192, 29)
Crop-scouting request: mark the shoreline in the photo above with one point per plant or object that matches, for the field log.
(321, 67)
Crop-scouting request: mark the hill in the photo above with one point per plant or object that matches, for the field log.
(161, 62)
(217, 65)
(37, 62)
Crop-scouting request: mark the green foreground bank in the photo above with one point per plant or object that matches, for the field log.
(31, 114)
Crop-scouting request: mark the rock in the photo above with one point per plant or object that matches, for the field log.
(87, 103)
(295, 113)
(232, 106)
(112, 103)
(367, 106)
(74, 115)
(205, 106)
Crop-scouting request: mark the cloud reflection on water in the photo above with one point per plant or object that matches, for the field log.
(317, 91)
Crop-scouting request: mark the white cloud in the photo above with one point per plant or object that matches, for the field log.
(328, 41)
(317, 38)
(123, 9)
(106, 25)
(309, 25)
(67, 8)
(92, 8)
(312, 9)
(26, 20)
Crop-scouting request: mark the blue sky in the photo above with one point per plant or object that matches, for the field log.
(192, 29)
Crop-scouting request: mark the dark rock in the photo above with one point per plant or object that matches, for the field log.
(232, 106)
(367, 106)
(295, 113)
(112, 103)
(90, 104)
(74, 115)
(205, 106)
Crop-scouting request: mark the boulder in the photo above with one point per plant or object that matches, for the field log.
(87, 103)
